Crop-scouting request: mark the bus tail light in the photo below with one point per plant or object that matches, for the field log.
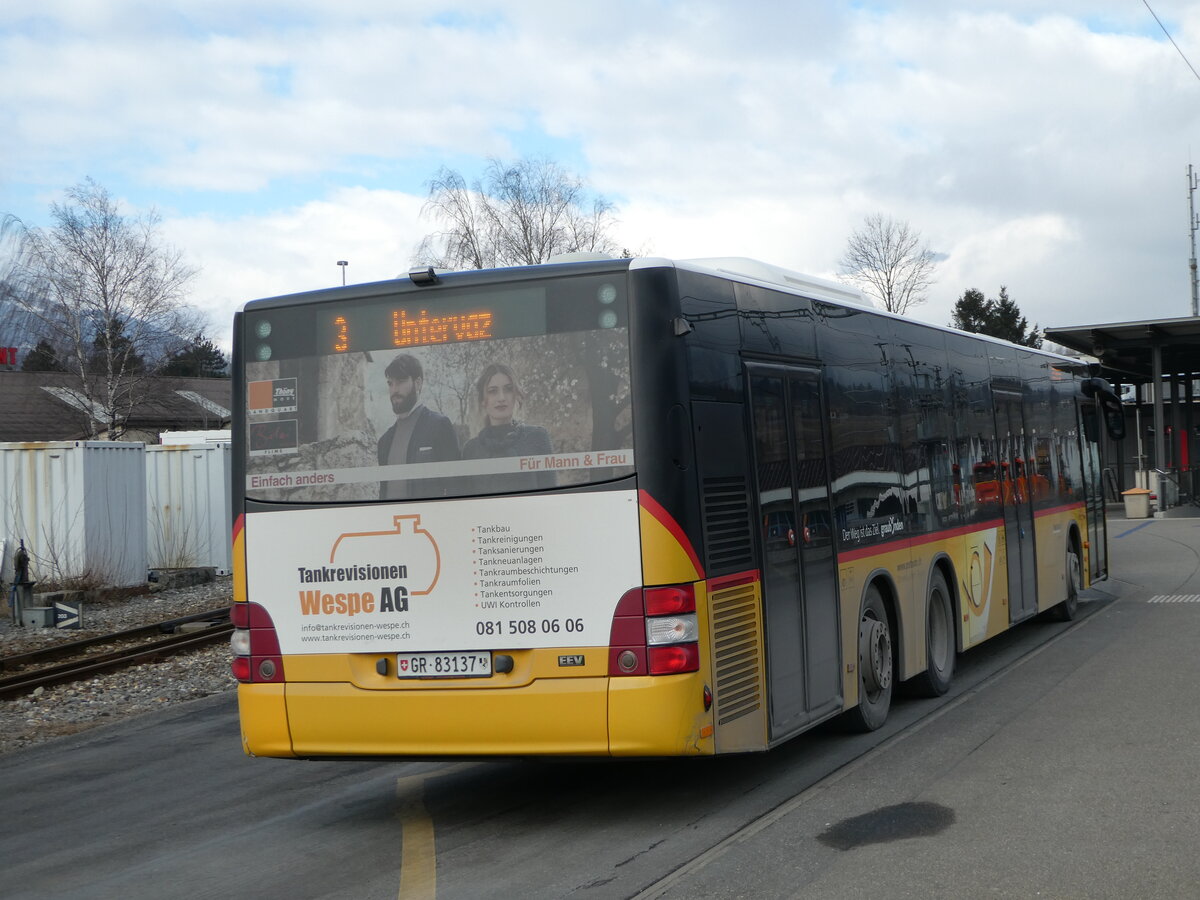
(674, 659)
(663, 601)
(255, 645)
(655, 632)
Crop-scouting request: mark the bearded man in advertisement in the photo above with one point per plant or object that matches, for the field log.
(419, 435)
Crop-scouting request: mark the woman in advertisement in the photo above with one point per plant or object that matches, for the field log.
(499, 395)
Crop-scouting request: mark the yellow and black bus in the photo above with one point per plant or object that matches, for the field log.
(634, 508)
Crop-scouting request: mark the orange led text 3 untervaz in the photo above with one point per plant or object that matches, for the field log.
(424, 329)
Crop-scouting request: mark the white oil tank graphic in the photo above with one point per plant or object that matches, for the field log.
(406, 544)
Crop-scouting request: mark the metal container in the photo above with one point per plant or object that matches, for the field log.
(189, 520)
(210, 436)
(1137, 503)
(80, 508)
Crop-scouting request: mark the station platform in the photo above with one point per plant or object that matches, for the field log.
(1116, 512)
(1070, 772)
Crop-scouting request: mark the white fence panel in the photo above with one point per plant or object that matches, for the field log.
(188, 506)
(80, 508)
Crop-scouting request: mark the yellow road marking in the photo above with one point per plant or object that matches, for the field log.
(418, 846)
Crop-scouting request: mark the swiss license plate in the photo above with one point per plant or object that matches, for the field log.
(446, 664)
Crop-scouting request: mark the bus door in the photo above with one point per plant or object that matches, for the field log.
(1093, 489)
(798, 563)
(1018, 506)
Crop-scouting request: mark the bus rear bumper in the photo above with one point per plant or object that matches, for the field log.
(263, 714)
(660, 716)
(564, 716)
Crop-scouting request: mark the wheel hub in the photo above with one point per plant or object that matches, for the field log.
(875, 653)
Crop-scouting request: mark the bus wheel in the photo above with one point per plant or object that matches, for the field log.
(874, 665)
(1066, 610)
(940, 648)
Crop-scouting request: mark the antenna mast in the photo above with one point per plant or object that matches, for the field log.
(1192, 226)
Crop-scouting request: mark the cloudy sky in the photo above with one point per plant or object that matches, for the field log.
(1039, 145)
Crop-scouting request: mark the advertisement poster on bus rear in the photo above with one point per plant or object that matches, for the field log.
(491, 573)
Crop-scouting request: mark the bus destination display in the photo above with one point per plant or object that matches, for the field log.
(376, 326)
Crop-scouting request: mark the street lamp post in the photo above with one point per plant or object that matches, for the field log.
(343, 263)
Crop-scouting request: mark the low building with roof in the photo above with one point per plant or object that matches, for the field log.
(50, 406)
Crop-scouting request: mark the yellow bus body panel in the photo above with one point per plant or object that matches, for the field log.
(664, 560)
(979, 562)
(1052, 534)
(587, 716)
(737, 655)
(660, 715)
(263, 713)
(560, 716)
(979, 596)
(239, 563)
(981, 565)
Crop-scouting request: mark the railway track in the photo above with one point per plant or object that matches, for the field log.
(76, 660)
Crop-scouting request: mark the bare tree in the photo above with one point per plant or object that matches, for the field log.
(519, 214)
(886, 259)
(102, 289)
(14, 325)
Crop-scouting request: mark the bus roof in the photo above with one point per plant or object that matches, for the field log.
(753, 271)
(743, 268)
(734, 268)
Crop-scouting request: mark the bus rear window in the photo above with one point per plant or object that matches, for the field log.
(439, 393)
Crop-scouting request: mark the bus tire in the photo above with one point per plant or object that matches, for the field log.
(940, 647)
(875, 665)
(1067, 610)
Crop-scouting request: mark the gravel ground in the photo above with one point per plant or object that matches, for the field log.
(64, 709)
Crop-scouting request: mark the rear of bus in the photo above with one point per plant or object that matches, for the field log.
(445, 542)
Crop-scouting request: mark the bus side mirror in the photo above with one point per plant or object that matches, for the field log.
(1091, 428)
(1114, 419)
(1108, 404)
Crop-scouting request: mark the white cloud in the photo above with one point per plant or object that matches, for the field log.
(1038, 145)
(982, 260)
(297, 249)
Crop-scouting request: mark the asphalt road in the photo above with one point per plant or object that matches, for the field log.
(1061, 764)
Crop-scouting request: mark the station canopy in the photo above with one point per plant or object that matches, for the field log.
(1126, 349)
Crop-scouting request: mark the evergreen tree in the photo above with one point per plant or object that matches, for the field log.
(42, 358)
(1008, 323)
(113, 351)
(971, 312)
(199, 358)
(999, 318)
